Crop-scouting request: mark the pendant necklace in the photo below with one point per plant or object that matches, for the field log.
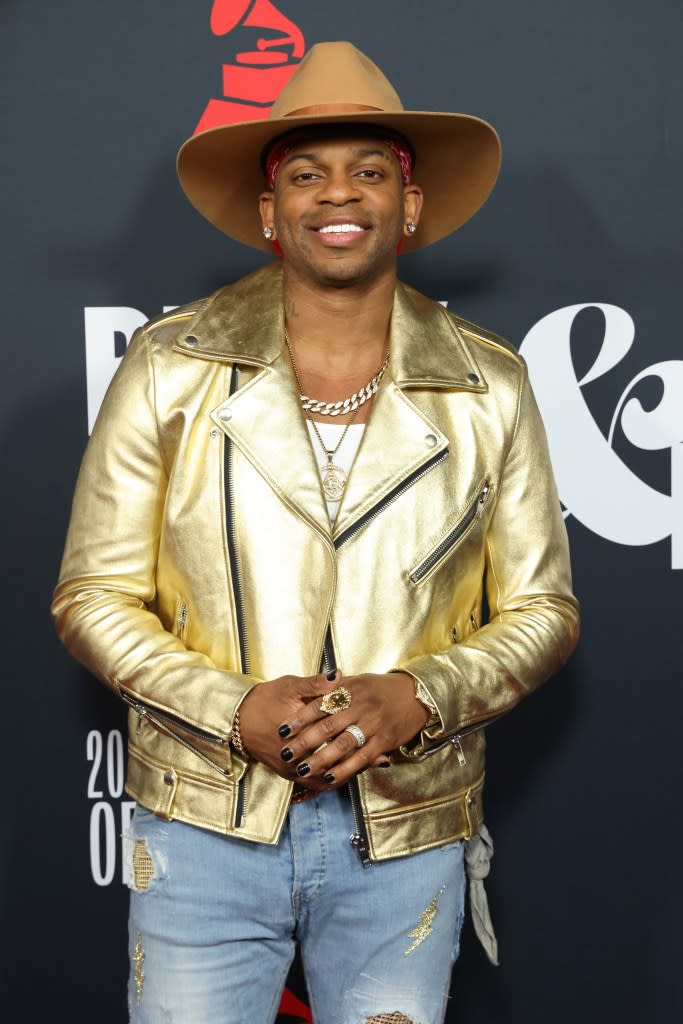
(332, 477)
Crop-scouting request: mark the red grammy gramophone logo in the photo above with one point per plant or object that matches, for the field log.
(254, 76)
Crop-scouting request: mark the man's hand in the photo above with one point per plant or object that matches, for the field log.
(282, 725)
(268, 705)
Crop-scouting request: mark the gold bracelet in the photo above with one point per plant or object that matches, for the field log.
(236, 737)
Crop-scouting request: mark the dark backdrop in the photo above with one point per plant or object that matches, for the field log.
(583, 793)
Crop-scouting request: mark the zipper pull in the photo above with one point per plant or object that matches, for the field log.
(360, 846)
(483, 495)
(182, 619)
(141, 712)
(459, 752)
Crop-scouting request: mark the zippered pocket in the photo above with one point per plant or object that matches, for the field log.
(169, 724)
(445, 546)
(455, 739)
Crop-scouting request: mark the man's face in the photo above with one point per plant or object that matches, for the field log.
(339, 209)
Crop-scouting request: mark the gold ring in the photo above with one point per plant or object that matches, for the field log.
(338, 700)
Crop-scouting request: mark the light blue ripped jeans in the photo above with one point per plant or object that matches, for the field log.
(214, 922)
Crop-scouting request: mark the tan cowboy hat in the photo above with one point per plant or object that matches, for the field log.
(457, 155)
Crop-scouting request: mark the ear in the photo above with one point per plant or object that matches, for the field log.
(412, 205)
(265, 205)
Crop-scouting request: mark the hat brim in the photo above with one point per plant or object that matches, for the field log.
(457, 163)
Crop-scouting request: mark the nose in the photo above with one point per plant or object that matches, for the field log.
(338, 188)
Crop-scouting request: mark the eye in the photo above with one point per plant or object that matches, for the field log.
(303, 177)
(370, 174)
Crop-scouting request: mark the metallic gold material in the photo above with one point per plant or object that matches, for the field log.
(143, 865)
(424, 928)
(336, 700)
(357, 733)
(390, 1018)
(148, 529)
(138, 958)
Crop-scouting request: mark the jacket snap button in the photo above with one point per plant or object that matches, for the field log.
(190, 340)
(431, 440)
(473, 377)
(225, 414)
(169, 778)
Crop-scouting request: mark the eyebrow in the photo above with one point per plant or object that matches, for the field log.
(360, 153)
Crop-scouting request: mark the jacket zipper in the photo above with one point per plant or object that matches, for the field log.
(389, 498)
(456, 534)
(232, 547)
(456, 738)
(359, 838)
(165, 721)
(236, 577)
(329, 662)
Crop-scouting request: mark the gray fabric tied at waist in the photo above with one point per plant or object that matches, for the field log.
(478, 854)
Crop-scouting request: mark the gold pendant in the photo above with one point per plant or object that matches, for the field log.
(333, 480)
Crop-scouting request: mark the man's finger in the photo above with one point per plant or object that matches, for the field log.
(305, 688)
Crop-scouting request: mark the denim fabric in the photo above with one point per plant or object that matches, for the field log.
(214, 922)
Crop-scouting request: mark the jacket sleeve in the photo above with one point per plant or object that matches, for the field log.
(533, 620)
(106, 590)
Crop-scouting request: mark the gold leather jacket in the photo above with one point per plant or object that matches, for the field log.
(200, 559)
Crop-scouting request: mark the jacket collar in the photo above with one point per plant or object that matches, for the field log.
(243, 323)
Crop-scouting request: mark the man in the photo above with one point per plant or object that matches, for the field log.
(316, 547)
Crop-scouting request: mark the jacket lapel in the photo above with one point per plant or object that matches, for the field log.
(267, 425)
(427, 351)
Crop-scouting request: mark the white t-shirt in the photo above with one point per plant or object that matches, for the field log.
(345, 454)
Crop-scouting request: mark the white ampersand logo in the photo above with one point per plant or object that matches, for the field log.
(595, 485)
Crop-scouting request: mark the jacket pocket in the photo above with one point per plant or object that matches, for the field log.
(188, 736)
(447, 544)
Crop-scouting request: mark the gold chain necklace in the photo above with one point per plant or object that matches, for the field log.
(332, 477)
(346, 405)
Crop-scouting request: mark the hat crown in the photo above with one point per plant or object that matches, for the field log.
(336, 75)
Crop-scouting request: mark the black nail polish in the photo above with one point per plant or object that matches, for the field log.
(384, 764)
(329, 778)
(286, 754)
(303, 769)
(331, 675)
(285, 730)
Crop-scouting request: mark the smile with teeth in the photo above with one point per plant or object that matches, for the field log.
(338, 229)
